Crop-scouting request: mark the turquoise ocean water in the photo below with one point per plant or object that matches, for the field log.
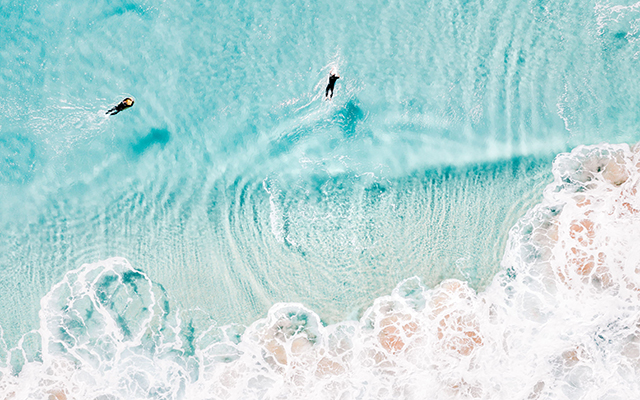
(233, 187)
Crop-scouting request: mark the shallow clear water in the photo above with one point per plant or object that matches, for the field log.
(234, 186)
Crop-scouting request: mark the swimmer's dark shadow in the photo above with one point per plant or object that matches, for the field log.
(348, 118)
(155, 136)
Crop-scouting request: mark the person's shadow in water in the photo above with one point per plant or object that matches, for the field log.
(348, 117)
(156, 136)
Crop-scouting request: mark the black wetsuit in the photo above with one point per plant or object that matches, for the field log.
(121, 106)
(332, 82)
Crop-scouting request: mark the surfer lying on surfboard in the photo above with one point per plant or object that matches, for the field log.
(123, 105)
(332, 81)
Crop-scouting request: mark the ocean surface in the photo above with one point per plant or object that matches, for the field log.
(460, 221)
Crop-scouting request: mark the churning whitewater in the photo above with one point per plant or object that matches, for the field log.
(561, 321)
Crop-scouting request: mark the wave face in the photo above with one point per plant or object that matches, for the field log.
(562, 321)
(231, 180)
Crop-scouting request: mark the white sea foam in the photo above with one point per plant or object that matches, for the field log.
(275, 216)
(562, 321)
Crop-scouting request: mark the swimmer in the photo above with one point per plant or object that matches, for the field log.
(123, 105)
(332, 82)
